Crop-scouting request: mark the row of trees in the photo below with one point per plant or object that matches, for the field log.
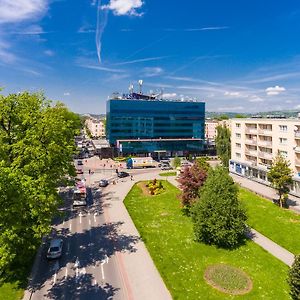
(36, 149)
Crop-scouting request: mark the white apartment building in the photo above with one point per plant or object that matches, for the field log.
(256, 142)
(211, 128)
(96, 127)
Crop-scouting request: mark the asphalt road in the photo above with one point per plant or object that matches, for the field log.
(89, 267)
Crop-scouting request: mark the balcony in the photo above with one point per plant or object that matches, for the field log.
(251, 152)
(251, 130)
(297, 149)
(265, 155)
(265, 143)
(251, 142)
(297, 134)
(297, 162)
(265, 132)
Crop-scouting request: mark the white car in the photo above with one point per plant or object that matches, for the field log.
(55, 249)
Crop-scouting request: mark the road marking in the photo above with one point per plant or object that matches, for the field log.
(63, 222)
(89, 213)
(70, 226)
(66, 273)
(95, 214)
(102, 272)
(90, 222)
(54, 278)
(80, 215)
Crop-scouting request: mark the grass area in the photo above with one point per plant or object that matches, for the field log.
(11, 291)
(173, 173)
(168, 235)
(228, 279)
(280, 225)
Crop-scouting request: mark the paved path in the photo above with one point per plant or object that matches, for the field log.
(265, 191)
(273, 248)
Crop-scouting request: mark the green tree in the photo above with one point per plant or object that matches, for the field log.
(280, 177)
(223, 144)
(203, 164)
(36, 149)
(294, 279)
(219, 217)
(176, 162)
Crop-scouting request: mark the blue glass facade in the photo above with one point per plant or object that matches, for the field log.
(173, 125)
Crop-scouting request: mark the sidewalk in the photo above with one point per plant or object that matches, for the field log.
(265, 191)
(143, 278)
(279, 252)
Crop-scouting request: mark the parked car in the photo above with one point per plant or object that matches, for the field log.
(55, 249)
(166, 167)
(79, 171)
(123, 174)
(103, 183)
(79, 163)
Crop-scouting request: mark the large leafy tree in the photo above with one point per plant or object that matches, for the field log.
(280, 177)
(219, 217)
(223, 144)
(294, 279)
(191, 180)
(36, 148)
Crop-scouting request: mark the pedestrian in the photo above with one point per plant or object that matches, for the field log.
(117, 171)
(89, 171)
(131, 177)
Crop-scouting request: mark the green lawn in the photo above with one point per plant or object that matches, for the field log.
(280, 225)
(173, 173)
(9, 291)
(181, 262)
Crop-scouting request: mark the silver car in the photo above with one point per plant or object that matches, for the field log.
(55, 249)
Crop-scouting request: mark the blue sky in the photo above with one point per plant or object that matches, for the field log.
(241, 56)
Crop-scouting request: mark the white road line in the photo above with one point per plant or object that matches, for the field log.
(66, 273)
(95, 282)
(80, 215)
(54, 278)
(90, 222)
(95, 217)
(70, 226)
(89, 213)
(102, 271)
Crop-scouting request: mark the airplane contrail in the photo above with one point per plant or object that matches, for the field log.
(101, 23)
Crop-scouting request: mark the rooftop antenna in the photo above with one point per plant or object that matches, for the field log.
(131, 88)
(140, 85)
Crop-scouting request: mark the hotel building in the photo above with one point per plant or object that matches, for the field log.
(255, 143)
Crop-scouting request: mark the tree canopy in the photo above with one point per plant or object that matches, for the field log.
(280, 177)
(223, 144)
(219, 217)
(294, 279)
(36, 149)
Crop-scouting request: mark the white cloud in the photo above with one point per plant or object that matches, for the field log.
(297, 107)
(124, 7)
(67, 93)
(49, 52)
(207, 28)
(274, 90)
(232, 94)
(93, 67)
(6, 56)
(12, 11)
(140, 60)
(256, 99)
(152, 71)
(169, 95)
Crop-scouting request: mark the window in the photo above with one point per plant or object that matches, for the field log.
(238, 155)
(238, 125)
(283, 128)
(238, 145)
(282, 141)
(238, 135)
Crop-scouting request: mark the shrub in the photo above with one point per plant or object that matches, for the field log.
(294, 279)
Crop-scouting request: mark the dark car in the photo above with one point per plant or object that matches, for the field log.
(103, 183)
(79, 163)
(123, 174)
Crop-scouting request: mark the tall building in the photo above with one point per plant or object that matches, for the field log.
(140, 124)
(256, 142)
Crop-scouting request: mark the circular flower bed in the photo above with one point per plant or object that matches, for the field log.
(228, 279)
